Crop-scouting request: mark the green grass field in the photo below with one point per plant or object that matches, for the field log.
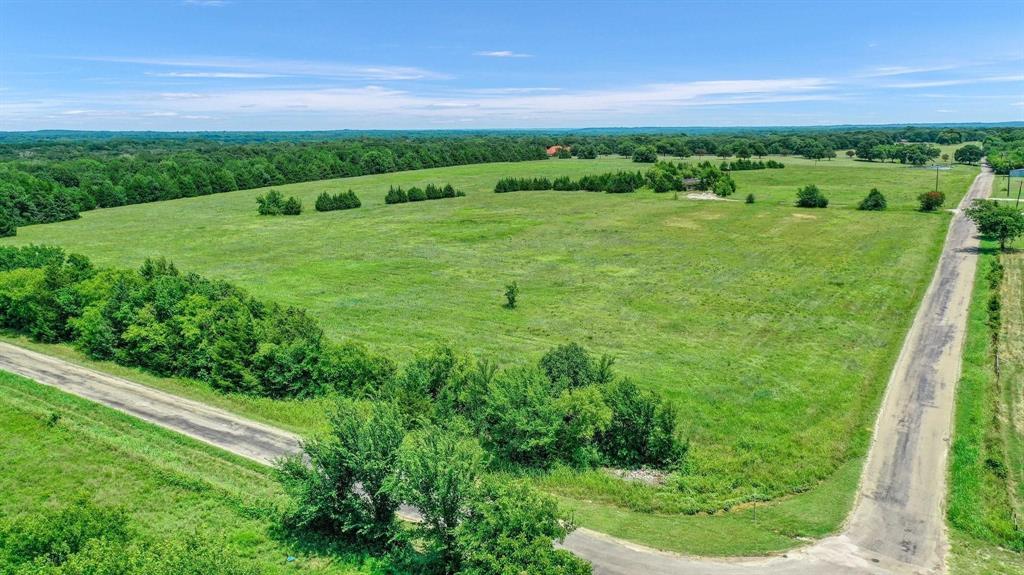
(171, 485)
(773, 328)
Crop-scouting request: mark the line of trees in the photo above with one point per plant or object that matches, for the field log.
(746, 164)
(54, 177)
(397, 195)
(621, 182)
(327, 202)
(571, 408)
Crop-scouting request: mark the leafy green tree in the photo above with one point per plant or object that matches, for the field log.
(569, 366)
(969, 154)
(519, 421)
(642, 429)
(8, 227)
(874, 201)
(811, 197)
(1005, 223)
(347, 482)
(377, 162)
(931, 201)
(440, 473)
(645, 154)
(509, 530)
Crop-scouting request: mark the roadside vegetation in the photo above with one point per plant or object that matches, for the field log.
(985, 506)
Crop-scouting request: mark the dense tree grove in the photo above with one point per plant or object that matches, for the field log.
(671, 176)
(396, 195)
(50, 177)
(84, 538)
(327, 202)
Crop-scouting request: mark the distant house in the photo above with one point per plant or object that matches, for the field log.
(554, 150)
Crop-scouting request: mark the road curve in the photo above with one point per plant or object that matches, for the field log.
(897, 526)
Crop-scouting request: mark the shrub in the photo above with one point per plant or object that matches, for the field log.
(291, 207)
(326, 202)
(811, 197)
(750, 198)
(642, 430)
(511, 295)
(874, 202)
(508, 531)
(396, 196)
(931, 201)
(361, 449)
(433, 192)
(416, 194)
(273, 203)
(519, 422)
(569, 366)
(449, 191)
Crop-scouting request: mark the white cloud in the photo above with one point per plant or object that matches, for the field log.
(880, 71)
(275, 67)
(502, 54)
(955, 82)
(242, 75)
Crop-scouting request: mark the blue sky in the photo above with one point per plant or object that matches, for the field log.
(239, 65)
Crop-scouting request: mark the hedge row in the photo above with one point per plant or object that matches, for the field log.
(396, 195)
(747, 164)
(326, 202)
(611, 182)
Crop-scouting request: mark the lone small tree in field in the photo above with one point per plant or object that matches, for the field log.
(1002, 222)
(968, 154)
(750, 198)
(874, 202)
(511, 295)
(931, 201)
(645, 155)
(811, 197)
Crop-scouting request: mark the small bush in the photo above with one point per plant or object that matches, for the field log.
(417, 194)
(511, 295)
(750, 198)
(396, 196)
(273, 204)
(433, 192)
(931, 201)
(874, 202)
(811, 197)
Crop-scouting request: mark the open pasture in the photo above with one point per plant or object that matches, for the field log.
(772, 328)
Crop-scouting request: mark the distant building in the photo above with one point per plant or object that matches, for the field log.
(554, 150)
(691, 183)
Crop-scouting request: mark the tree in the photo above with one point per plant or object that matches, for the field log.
(931, 201)
(377, 162)
(291, 207)
(511, 295)
(750, 198)
(645, 154)
(969, 154)
(1002, 222)
(569, 366)
(509, 530)
(440, 471)
(563, 153)
(396, 196)
(874, 201)
(642, 429)
(811, 197)
(416, 194)
(349, 484)
(8, 227)
(270, 204)
(850, 154)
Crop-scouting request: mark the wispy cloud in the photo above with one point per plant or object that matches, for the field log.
(239, 75)
(205, 2)
(955, 82)
(502, 54)
(881, 71)
(276, 67)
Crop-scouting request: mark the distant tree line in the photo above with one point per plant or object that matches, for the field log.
(327, 202)
(55, 177)
(397, 195)
(611, 182)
